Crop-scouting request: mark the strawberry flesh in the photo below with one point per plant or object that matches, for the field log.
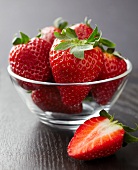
(96, 138)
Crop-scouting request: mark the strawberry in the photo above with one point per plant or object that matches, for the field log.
(99, 137)
(29, 58)
(47, 33)
(48, 98)
(75, 61)
(113, 66)
(83, 30)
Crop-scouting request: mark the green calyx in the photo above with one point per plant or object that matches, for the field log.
(127, 137)
(60, 23)
(69, 40)
(24, 39)
(115, 53)
(87, 21)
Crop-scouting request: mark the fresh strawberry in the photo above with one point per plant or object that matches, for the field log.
(99, 137)
(48, 99)
(83, 30)
(47, 33)
(29, 58)
(75, 61)
(113, 66)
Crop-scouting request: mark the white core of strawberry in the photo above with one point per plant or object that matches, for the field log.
(104, 128)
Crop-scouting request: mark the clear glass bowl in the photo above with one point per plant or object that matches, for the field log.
(47, 103)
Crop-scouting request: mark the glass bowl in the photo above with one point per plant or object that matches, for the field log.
(47, 102)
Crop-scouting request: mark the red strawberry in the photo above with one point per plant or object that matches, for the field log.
(74, 63)
(113, 66)
(83, 30)
(48, 99)
(99, 137)
(30, 59)
(47, 33)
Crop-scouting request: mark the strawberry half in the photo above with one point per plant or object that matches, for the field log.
(99, 137)
(47, 33)
(113, 66)
(75, 61)
(29, 58)
(48, 99)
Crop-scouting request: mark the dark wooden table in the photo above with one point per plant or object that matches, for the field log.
(27, 144)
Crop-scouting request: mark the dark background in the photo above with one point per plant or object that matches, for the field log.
(26, 144)
(116, 18)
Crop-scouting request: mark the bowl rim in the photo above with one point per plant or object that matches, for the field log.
(129, 69)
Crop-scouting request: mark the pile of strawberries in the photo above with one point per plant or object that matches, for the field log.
(75, 54)
(67, 54)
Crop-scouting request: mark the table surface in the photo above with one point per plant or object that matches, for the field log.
(27, 144)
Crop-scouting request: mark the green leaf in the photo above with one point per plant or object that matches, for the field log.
(57, 22)
(63, 25)
(110, 50)
(38, 35)
(87, 21)
(77, 53)
(60, 23)
(60, 36)
(92, 36)
(70, 33)
(84, 47)
(105, 114)
(25, 39)
(88, 98)
(16, 41)
(98, 36)
(107, 43)
(129, 138)
(128, 129)
(63, 45)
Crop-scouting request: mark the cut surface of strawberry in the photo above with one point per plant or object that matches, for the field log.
(99, 137)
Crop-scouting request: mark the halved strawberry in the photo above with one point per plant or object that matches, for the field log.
(113, 66)
(48, 99)
(29, 58)
(47, 33)
(99, 137)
